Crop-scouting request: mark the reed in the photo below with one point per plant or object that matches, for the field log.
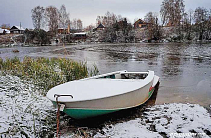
(45, 72)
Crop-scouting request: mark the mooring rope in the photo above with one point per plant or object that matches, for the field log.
(58, 118)
(58, 114)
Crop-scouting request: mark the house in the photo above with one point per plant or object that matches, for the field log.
(99, 27)
(140, 24)
(4, 31)
(79, 36)
(63, 31)
(17, 30)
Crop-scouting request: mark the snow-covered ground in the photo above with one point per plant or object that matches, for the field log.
(171, 120)
(23, 111)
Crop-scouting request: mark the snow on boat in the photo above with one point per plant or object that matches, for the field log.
(104, 94)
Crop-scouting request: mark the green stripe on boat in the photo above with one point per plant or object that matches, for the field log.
(150, 93)
(86, 113)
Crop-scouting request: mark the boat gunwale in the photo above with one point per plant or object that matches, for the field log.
(103, 75)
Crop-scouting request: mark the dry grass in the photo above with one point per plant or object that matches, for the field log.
(47, 73)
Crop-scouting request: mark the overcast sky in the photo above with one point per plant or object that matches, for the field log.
(15, 11)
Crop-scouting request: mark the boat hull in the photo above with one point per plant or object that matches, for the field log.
(93, 108)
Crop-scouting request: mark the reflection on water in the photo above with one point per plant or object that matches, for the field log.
(184, 69)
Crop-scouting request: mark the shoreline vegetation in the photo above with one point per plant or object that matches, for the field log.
(46, 73)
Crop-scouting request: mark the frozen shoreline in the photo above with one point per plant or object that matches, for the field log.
(23, 111)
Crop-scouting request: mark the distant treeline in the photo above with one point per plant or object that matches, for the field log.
(175, 24)
(53, 18)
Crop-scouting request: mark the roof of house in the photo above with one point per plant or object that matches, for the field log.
(101, 26)
(140, 21)
(81, 33)
(18, 28)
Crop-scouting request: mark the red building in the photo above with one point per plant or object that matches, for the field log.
(140, 24)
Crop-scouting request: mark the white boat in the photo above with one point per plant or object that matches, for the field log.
(104, 94)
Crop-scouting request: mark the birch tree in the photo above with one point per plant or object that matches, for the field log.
(38, 17)
(52, 18)
(64, 19)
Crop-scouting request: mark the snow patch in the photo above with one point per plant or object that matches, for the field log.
(21, 108)
(162, 120)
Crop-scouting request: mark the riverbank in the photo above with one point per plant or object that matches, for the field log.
(24, 112)
(6, 41)
(11, 44)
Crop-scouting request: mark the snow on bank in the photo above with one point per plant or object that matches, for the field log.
(164, 120)
(21, 108)
(24, 112)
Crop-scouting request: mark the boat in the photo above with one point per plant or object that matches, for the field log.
(103, 94)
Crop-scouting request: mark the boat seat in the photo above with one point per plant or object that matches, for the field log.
(118, 76)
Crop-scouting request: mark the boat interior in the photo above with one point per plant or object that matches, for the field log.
(126, 75)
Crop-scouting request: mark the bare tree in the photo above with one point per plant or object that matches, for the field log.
(64, 19)
(79, 24)
(172, 12)
(74, 23)
(187, 24)
(201, 18)
(52, 18)
(89, 28)
(154, 31)
(209, 25)
(38, 17)
(108, 19)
